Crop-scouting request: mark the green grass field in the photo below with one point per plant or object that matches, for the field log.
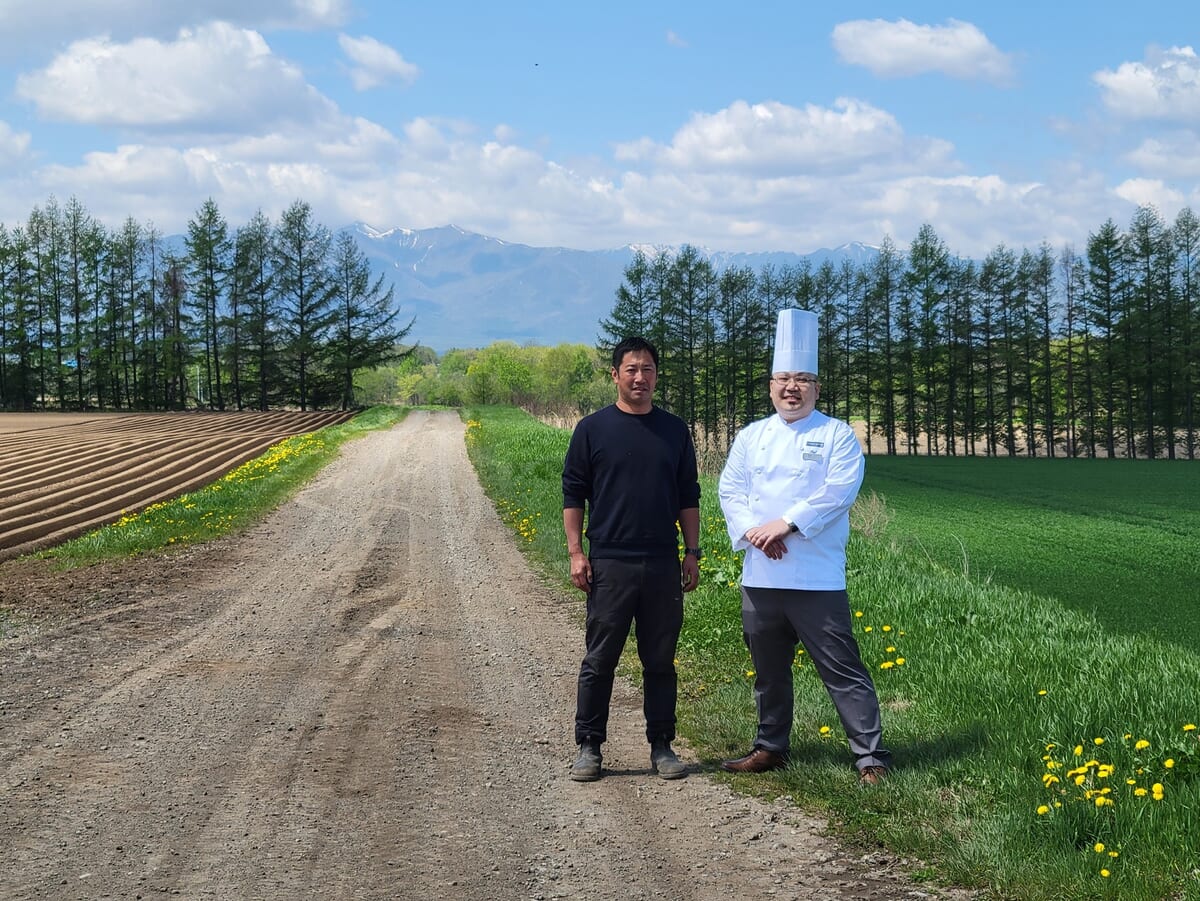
(1117, 539)
(1041, 752)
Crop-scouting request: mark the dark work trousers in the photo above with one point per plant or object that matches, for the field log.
(646, 591)
(773, 621)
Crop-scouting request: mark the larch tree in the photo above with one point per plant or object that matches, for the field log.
(304, 293)
(364, 333)
(208, 255)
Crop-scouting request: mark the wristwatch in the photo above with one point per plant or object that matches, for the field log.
(792, 527)
(694, 551)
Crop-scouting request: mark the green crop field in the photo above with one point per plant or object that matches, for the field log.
(1117, 539)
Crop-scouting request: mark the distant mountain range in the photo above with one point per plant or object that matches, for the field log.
(468, 290)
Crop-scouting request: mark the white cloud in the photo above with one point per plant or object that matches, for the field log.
(375, 63)
(903, 48)
(674, 39)
(747, 177)
(1169, 155)
(52, 23)
(14, 145)
(212, 78)
(776, 139)
(1151, 192)
(166, 184)
(1165, 86)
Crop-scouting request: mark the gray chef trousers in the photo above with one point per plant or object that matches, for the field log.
(773, 621)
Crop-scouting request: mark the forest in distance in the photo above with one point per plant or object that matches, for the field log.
(258, 317)
(1092, 352)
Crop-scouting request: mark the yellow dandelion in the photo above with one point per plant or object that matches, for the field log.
(858, 615)
(1169, 762)
(1042, 692)
(1097, 741)
(899, 661)
(1105, 873)
(887, 664)
(887, 628)
(1141, 744)
(824, 730)
(1098, 847)
(1140, 792)
(1190, 727)
(1079, 750)
(1043, 810)
(1114, 853)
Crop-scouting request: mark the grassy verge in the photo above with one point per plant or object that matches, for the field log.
(238, 499)
(1039, 753)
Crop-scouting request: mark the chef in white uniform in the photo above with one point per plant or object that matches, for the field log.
(786, 492)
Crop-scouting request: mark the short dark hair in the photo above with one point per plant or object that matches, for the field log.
(633, 344)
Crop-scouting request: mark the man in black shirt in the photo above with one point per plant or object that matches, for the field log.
(632, 467)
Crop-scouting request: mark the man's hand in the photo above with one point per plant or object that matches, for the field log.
(691, 572)
(769, 537)
(581, 571)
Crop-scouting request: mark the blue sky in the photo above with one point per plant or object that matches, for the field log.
(753, 127)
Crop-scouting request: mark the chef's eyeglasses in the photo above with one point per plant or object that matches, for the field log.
(804, 381)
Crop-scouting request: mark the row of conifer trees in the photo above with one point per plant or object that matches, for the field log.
(1093, 353)
(265, 315)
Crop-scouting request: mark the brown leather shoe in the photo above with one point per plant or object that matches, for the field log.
(872, 775)
(760, 760)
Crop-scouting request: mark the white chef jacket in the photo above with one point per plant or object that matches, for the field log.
(807, 472)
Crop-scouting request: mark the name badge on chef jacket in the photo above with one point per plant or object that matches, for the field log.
(811, 455)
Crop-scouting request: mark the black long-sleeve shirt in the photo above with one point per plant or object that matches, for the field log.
(633, 473)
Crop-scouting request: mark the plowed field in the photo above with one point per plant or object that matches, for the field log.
(62, 474)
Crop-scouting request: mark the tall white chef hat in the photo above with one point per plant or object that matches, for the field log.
(795, 342)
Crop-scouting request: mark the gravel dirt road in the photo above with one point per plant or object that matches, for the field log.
(368, 696)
